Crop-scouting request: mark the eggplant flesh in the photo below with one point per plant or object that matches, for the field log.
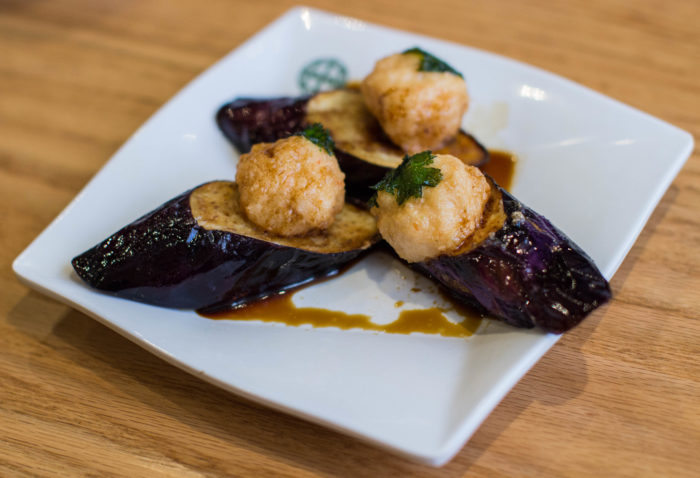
(198, 251)
(364, 152)
(521, 269)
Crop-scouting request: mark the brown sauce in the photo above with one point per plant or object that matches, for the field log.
(281, 309)
(501, 167)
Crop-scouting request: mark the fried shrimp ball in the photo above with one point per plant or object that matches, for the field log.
(418, 110)
(290, 187)
(437, 223)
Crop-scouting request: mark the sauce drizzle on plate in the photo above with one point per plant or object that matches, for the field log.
(281, 309)
(501, 167)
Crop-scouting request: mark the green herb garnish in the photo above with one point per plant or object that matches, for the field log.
(319, 136)
(408, 179)
(430, 63)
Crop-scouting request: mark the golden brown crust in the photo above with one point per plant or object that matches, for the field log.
(418, 110)
(290, 187)
(439, 221)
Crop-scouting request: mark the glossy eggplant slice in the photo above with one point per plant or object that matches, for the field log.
(247, 121)
(521, 269)
(364, 152)
(198, 251)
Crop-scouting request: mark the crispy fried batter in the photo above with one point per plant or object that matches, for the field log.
(290, 187)
(437, 223)
(418, 110)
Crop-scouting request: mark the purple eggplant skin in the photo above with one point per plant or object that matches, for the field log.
(165, 258)
(247, 121)
(359, 176)
(527, 274)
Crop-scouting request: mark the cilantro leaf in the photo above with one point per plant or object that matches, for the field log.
(408, 179)
(319, 136)
(429, 62)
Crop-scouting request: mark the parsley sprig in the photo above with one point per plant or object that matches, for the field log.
(429, 62)
(408, 179)
(319, 136)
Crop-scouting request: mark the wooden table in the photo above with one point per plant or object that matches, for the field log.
(618, 396)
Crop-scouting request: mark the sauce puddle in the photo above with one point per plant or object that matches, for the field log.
(282, 310)
(501, 167)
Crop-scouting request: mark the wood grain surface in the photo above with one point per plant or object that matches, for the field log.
(618, 396)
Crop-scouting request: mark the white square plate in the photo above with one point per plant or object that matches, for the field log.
(595, 167)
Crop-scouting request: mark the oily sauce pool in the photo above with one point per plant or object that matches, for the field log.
(501, 167)
(281, 308)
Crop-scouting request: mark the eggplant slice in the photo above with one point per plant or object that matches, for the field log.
(364, 152)
(198, 251)
(520, 268)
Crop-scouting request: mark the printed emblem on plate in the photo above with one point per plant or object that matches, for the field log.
(322, 74)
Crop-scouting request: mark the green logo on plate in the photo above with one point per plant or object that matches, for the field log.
(322, 74)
